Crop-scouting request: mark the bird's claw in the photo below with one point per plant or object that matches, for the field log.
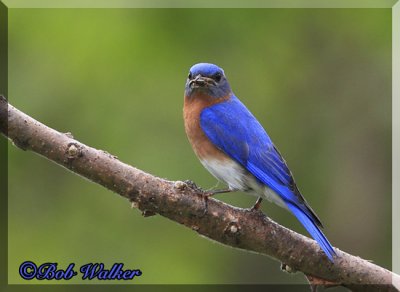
(191, 184)
(257, 205)
(205, 197)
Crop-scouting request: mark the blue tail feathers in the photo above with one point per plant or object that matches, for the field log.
(313, 229)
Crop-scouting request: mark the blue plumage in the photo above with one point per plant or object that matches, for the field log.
(246, 141)
(313, 229)
(205, 69)
(235, 148)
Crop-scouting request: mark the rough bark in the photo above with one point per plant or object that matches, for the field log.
(184, 203)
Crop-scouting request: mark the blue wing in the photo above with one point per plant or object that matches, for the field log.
(233, 129)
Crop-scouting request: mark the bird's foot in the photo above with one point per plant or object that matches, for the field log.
(209, 193)
(205, 197)
(193, 185)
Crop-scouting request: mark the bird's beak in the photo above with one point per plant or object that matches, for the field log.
(201, 81)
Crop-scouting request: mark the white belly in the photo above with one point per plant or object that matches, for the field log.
(238, 178)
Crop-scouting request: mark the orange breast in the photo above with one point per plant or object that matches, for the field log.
(192, 108)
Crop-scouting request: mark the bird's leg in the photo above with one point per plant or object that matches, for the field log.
(211, 193)
(257, 204)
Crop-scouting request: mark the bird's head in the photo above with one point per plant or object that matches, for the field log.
(207, 79)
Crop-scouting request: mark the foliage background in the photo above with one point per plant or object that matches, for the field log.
(319, 80)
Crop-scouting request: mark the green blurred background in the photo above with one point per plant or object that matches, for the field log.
(319, 80)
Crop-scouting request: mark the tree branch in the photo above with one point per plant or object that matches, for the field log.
(184, 203)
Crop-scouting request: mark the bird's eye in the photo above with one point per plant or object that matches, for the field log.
(217, 77)
(190, 75)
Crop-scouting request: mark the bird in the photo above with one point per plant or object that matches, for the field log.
(234, 147)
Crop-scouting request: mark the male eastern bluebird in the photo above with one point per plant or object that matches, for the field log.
(233, 146)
